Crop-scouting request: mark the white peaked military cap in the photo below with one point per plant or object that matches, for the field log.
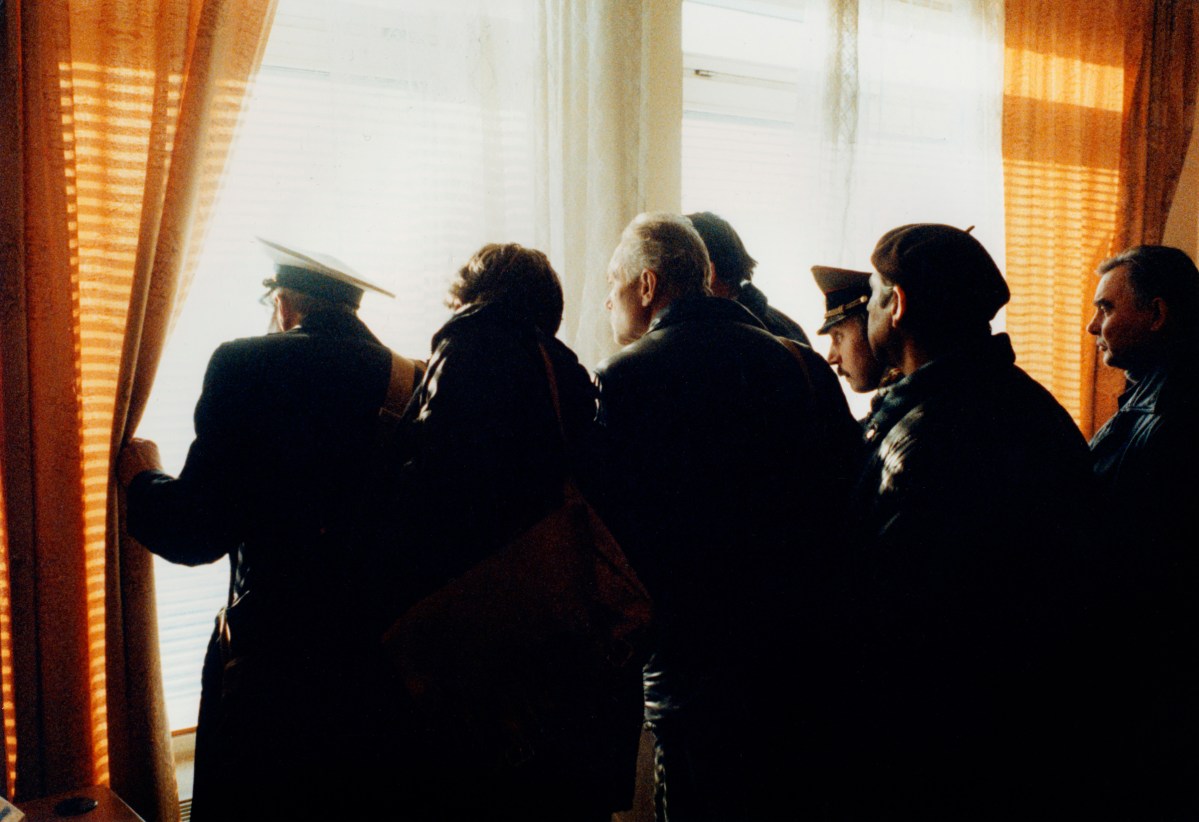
(317, 275)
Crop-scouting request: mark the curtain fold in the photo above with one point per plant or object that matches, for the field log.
(1061, 145)
(123, 116)
(224, 48)
(608, 124)
(11, 320)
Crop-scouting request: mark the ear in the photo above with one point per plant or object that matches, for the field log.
(648, 288)
(899, 304)
(288, 318)
(1161, 313)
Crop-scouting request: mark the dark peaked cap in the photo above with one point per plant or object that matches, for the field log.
(317, 275)
(845, 293)
(943, 269)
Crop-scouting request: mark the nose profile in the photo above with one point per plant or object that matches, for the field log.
(1093, 325)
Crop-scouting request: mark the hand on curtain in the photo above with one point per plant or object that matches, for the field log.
(122, 120)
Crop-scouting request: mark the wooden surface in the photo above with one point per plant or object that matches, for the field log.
(109, 809)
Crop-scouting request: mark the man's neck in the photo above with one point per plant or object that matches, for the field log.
(721, 288)
(912, 356)
(1141, 370)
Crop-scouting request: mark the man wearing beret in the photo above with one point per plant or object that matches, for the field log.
(973, 501)
(1146, 322)
(283, 426)
(846, 293)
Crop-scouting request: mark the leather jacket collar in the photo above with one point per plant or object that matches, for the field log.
(335, 323)
(971, 362)
(704, 307)
(1169, 384)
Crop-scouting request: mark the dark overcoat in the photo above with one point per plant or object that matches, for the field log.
(724, 471)
(283, 426)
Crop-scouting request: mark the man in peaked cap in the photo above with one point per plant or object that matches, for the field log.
(846, 293)
(282, 425)
(973, 501)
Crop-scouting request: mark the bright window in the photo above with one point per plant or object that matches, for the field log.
(399, 139)
(388, 135)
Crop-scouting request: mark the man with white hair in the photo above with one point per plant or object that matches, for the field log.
(726, 455)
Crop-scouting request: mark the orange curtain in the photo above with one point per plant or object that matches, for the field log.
(120, 116)
(1062, 120)
(1098, 107)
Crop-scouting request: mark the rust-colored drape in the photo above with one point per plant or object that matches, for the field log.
(1098, 107)
(119, 114)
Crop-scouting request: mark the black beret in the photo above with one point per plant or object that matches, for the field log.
(845, 293)
(942, 268)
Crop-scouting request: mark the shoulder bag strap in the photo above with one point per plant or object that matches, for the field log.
(570, 489)
(405, 375)
(797, 352)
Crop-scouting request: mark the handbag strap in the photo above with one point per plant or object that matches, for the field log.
(553, 380)
(405, 374)
(570, 489)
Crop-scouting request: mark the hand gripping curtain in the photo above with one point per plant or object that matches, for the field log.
(121, 117)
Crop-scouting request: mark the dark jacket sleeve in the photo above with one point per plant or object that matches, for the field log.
(196, 518)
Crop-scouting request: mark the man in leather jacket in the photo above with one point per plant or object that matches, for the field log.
(725, 454)
(966, 601)
(1147, 322)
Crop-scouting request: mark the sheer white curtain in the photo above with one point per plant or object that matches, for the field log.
(610, 112)
(908, 115)
(400, 136)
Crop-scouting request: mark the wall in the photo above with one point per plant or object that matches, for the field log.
(1182, 226)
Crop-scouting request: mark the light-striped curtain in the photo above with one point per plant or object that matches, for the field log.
(119, 116)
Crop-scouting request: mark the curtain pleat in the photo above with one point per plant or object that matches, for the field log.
(222, 56)
(609, 126)
(13, 383)
(123, 115)
(1061, 145)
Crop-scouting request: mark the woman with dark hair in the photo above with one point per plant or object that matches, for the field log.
(481, 458)
(485, 454)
